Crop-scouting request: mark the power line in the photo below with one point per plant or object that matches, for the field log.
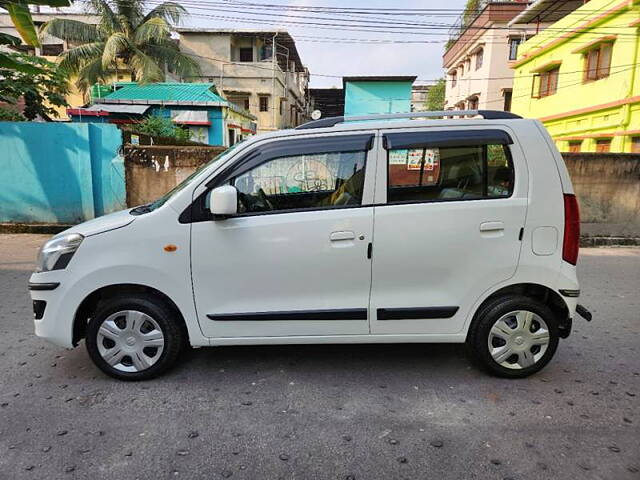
(366, 23)
(260, 67)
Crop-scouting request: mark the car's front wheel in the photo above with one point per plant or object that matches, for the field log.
(134, 338)
(514, 336)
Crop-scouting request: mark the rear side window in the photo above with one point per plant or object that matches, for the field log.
(449, 172)
(321, 180)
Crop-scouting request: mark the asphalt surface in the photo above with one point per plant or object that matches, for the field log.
(327, 412)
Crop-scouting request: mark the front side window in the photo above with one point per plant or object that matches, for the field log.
(264, 104)
(449, 173)
(603, 145)
(548, 82)
(479, 58)
(246, 54)
(508, 94)
(598, 62)
(514, 43)
(575, 146)
(314, 181)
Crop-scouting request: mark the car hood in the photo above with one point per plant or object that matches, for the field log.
(103, 224)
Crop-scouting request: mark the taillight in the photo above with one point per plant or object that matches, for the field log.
(571, 243)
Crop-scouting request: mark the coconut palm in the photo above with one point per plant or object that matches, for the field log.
(126, 37)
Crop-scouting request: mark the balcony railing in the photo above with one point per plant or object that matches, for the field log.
(471, 12)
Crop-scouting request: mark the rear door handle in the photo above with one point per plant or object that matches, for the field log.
(342, 235)
(491, 226)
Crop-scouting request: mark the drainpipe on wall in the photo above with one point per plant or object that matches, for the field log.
(627, 114)
(273, 79)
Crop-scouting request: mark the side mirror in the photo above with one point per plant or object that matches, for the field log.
(224, 201)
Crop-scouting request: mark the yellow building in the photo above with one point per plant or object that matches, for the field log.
(579, 76)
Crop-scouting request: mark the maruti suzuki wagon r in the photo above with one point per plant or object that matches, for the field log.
(374, 229)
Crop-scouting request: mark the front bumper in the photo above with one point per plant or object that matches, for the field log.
(53, 308)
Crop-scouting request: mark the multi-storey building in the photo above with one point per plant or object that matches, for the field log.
(258, 70)
(478, 56)
(51, 47)
(580, 76)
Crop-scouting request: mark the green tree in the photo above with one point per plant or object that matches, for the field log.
(21, 17)
(471, 9)
(126, 37)
(435, 96)
(160, 126)
(41, 92)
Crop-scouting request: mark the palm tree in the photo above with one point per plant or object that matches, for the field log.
(126, 37)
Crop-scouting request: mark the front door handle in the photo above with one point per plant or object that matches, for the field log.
(342, 235)
(491, 226)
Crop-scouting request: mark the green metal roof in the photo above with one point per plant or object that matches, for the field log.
(166, 92)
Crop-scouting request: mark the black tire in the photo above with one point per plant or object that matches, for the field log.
(162, 314)
(487, 316)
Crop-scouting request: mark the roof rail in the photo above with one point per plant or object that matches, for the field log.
(332, 121)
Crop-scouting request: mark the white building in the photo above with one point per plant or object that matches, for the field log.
(479, 56)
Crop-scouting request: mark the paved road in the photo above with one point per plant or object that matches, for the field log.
(339, 412)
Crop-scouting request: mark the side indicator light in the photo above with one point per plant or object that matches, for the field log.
(170, 248)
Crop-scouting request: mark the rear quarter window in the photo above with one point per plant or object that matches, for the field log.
(452, 172)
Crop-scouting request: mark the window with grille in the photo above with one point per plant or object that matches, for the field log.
(603, 145)
(479, 58)
(264, 104)
(514, 43)
(52, 50)
(548, 82)
(575, 146)
(507, 100)
(598, 62)
(246, 54)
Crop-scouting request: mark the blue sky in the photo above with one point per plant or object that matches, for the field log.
(343, 59)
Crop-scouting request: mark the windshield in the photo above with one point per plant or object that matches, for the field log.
(150, 207)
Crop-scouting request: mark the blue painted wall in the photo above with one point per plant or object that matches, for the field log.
(367, 97)
(59, 172)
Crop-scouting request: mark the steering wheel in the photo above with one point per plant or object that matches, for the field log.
(264, 199)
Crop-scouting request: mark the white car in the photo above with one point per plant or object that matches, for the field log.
(377, 229)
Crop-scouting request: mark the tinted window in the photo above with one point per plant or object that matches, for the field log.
(449, 173)
(302, 182)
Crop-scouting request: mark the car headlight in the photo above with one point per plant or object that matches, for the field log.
(57, 252)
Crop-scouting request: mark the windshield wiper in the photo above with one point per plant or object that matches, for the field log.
(141, 209)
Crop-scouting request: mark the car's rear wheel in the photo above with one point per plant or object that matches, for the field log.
(514, 336)
(134, 338)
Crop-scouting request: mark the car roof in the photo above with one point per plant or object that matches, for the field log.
(397, 121)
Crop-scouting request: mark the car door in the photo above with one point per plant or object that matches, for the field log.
(293, 262)
(449, 227)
